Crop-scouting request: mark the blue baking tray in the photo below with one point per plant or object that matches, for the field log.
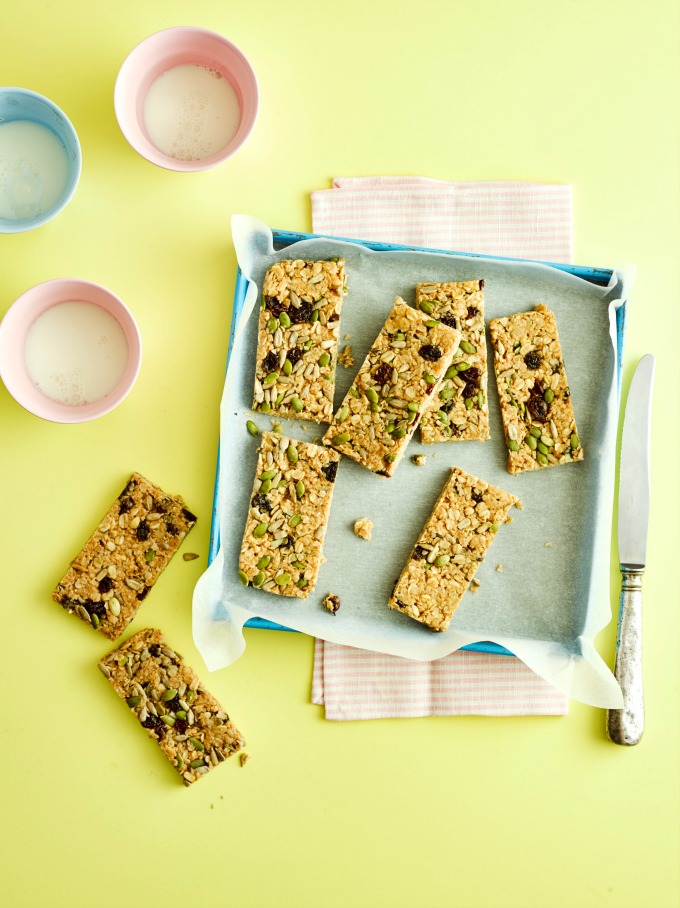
(284, 238)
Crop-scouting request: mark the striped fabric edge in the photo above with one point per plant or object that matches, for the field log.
(356, 684)
(513, 219)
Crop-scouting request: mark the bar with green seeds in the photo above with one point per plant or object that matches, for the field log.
(460, 412)
(402, 373)
(533, 391)
(288, 512)
(297, 345)
(463, 524)
(133, 544)
(166, 697)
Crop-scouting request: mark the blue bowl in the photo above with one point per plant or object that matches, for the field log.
(22, 104)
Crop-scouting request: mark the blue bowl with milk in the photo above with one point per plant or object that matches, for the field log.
(40, 160)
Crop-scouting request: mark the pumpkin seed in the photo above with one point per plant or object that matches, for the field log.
(252, 428)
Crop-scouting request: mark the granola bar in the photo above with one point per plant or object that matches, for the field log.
(462, 526)
(283, 539)
(538, 417)
(460, 412)
(165, 695)
(120, 562)
(403, 371)
(297, 342)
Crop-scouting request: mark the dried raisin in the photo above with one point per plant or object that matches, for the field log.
(105, 584)
(538, 408)
(302, 314)
(330, 470)
(533, 359)
(294, 356)
(270, 363)
(275, 306)
(261, 502)
(430, 353)
(143, 531)
(383, 374)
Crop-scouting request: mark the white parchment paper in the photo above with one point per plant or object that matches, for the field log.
(548, 603)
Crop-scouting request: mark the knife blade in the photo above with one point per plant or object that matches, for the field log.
(625, 726)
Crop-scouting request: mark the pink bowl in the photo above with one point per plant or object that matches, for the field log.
(176, 47)
(15, 327)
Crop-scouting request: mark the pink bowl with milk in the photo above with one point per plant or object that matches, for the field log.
(70, 350)
(186, 99)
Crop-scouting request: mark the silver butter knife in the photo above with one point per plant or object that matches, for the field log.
(625, 726)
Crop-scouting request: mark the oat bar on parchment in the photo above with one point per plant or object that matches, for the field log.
(460, 412)
(120, 562)
(166, 697)
(297, 340)
(468, 514)
(403, 371)
(538, 417)
(282, 547)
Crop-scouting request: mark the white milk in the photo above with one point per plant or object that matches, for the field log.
(191, 112)
(75, 353)
(34, 170)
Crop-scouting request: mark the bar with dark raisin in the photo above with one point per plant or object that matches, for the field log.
(464, 521)
(120, 562)
(168, 700)
(402, 373)
(538, 416)
(282, 547)
(297, 345)
(460, 412)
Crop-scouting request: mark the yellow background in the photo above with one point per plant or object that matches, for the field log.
(435, 812)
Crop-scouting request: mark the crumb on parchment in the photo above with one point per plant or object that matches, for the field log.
(244, 758)
(345, 358)
(332, 603)
(419, 459)
(363, 527)
(499, 568)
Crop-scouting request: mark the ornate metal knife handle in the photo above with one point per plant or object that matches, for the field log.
(625, 726)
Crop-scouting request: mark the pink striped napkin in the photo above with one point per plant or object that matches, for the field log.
(523, 220)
